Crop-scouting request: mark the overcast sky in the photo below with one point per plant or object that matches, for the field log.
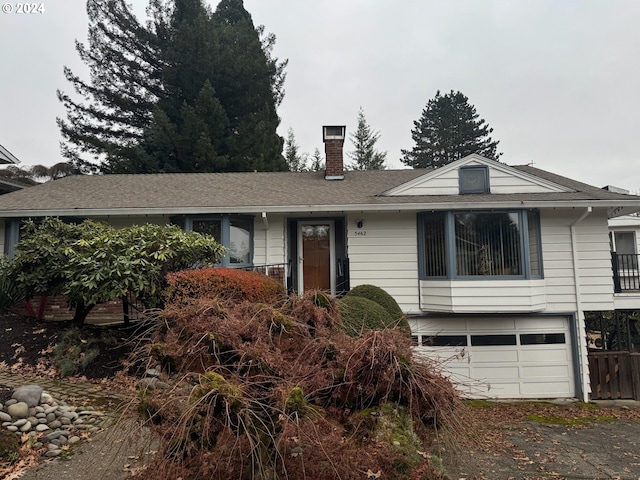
(558, 80)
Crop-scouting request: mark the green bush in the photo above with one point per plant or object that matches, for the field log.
(386, 301)
(77, 349)
(359, 314)
(10, 293)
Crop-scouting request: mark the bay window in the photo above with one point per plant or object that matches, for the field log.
(480, 244)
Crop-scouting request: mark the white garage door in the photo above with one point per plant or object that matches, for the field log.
(518, 357)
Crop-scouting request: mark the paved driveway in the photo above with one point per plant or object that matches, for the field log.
(597, 444)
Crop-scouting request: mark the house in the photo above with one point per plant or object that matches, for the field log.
(495, 265)
(6, 157)
(7, 184)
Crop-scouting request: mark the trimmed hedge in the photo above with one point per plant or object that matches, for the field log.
(379, 296)
(359, 314)
(386, 301)
(222, 283)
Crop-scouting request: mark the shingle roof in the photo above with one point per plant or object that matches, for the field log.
(259, 191)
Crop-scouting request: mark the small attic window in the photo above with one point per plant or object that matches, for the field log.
(474, 179)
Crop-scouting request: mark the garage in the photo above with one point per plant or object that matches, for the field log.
(504, 357)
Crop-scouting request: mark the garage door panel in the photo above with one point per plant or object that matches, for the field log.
(541, 355)
(546, 389)
(483, 324)
(492, 355)
(495, 373)
(543, 323)
(546, 371)
(503, 390)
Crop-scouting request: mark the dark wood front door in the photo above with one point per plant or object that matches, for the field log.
(316, 247)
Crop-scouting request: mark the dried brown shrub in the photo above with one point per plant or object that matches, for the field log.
(267, 390)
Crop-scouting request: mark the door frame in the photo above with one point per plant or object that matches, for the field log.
(332, 252)
(340, 260)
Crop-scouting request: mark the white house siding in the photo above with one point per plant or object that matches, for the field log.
(384, 253)
(500, 181)
(594, 261)
(269, 244)
(482, 296)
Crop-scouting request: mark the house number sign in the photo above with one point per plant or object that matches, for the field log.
(360, 233)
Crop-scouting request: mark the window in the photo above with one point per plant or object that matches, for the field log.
(480, 244)
(234, 233)
(473, 179)
(492, 340)
(541, 338)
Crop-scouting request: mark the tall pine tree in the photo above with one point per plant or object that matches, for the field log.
(449, 129)
(365, 155)
(295, 160)
(203, 99)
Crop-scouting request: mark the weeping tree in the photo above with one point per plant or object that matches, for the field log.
(192, 90)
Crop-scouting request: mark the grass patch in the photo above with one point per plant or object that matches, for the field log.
(553, 420)
(479, 403)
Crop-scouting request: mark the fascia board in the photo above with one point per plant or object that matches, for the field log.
(387, 207)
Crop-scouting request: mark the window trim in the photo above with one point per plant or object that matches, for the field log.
(225, 234)
(450, 253)
(483, 188)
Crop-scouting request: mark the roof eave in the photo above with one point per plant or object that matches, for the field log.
(615, 207)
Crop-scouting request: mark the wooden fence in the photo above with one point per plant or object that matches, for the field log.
(614, 375)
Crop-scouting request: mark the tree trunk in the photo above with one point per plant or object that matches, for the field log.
(82, 311)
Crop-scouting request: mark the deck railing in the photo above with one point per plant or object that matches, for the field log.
(277, 271)
(626, 276)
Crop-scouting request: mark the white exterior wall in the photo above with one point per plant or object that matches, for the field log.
(500, 181)
(384, 252)
(482, 296)
(593, 257)
(269, 244)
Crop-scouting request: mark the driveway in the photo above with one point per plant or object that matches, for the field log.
(538, 441)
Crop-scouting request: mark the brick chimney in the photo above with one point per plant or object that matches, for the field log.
(333, 138)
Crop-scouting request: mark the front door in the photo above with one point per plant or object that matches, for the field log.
(316, 258)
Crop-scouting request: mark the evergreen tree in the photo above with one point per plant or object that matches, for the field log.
(198, 94)
(449, 129)
(316, 161)
(365, 156)
(296, 161)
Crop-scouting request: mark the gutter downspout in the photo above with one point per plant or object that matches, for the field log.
(580, 325)
(265, 222)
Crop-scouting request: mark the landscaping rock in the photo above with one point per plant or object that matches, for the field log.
(50, 422)
(29, 394)
(18, 410)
